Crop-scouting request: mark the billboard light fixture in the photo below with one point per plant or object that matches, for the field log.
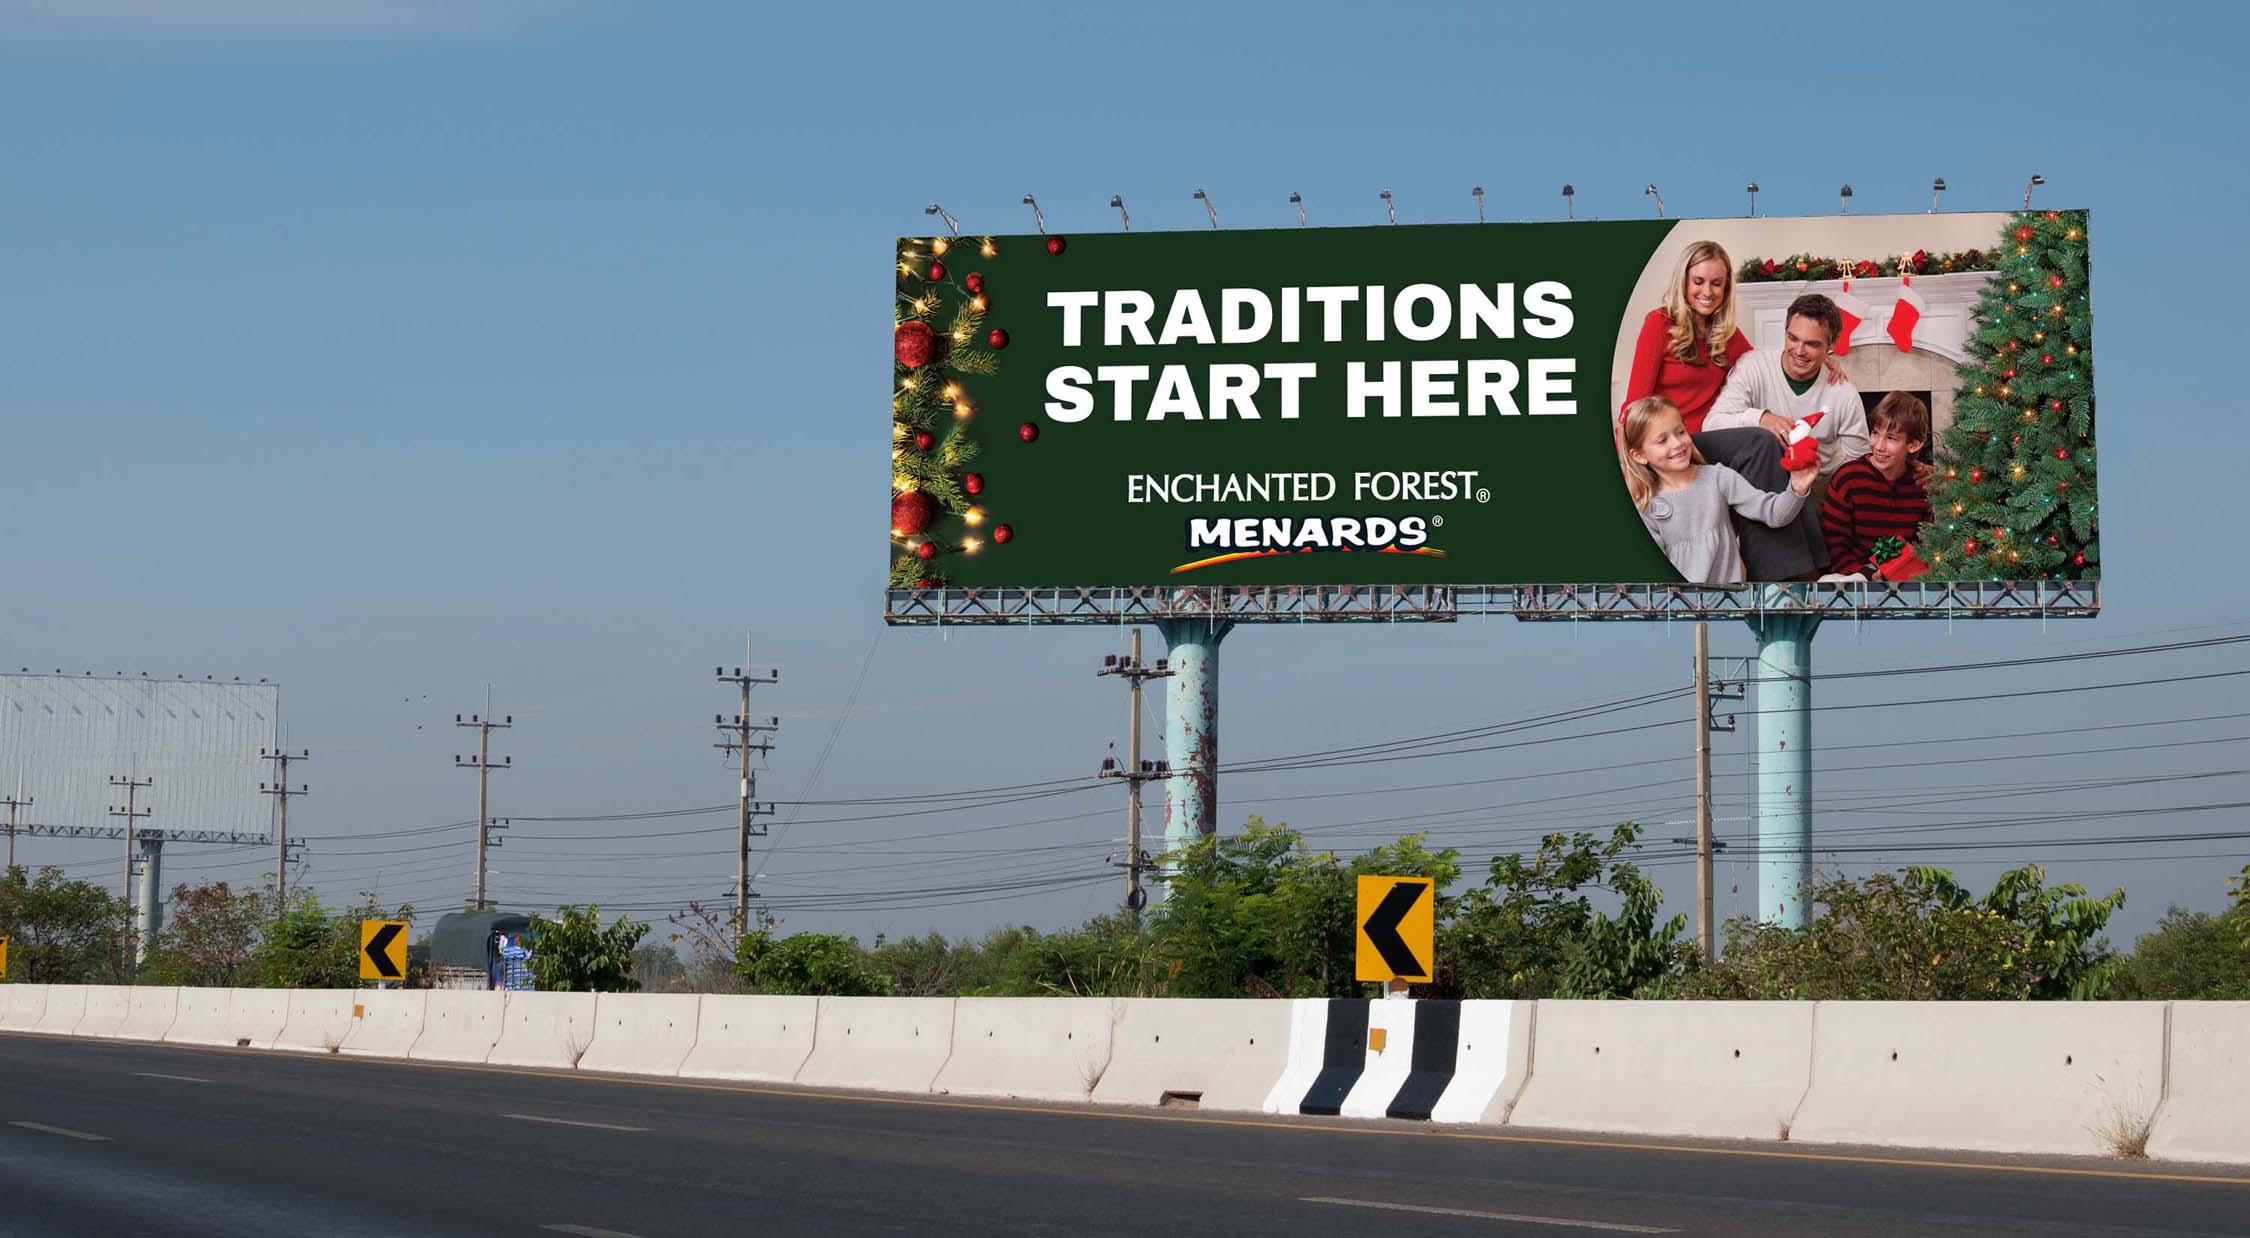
(953, 225)
(1389, 208)
(1570, 207)
(1038, 217)
(1118, 200)
(1477, 192)
(1652, 192)
(1844, 206)
(1753, 188)
(1937, 190)
(2035, 182)
(1208, 205)
(1298, 200)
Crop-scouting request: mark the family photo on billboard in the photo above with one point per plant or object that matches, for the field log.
(1775, 425)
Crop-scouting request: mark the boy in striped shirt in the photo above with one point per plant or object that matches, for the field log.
(1879, 494)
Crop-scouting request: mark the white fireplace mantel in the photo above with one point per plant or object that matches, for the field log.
(1944, 329)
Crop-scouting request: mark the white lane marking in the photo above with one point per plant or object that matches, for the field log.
(150, 1074)
(1518, 1218)
(588, 1231)
(61, 1130)
(599, 1126)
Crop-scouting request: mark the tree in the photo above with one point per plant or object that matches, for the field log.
(210, 937)
(2189, 956)
(573, 953)
(2062, 928)
(1532, 930)
(657, 968)
(310, 947)
(2013, 494)
(62, 931)
(821, 964)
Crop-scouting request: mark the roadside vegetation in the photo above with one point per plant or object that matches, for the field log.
(1256, 913)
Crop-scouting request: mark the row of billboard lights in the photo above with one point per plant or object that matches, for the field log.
(25, 670)
(1390, 208)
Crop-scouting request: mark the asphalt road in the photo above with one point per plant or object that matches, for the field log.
(108, 1138)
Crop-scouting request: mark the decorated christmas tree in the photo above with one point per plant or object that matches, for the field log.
(2013, 491)
(938, 343)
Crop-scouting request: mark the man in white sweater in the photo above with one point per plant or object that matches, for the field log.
(1774, 388)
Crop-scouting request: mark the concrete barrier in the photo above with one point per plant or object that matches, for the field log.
(1388, 1059)
(106, 1008)
(1494, 1062)
(1305, 1057)
(1211, 1053)
(891, 1044)
(21, 1005)
(461, 1025)
(149, 1013)
(544, 1029)
(755, 1039)
(1726, 1069)
(255, 1017)
(66, 1005)
(319, 1020)
(642, 1033)
(2054, 1077)
(202, 1019)
(1040, 1048)
(2207, 1117)
(386, 1022)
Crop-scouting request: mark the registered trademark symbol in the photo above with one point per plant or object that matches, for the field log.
(1483, 495)
(1437, 522)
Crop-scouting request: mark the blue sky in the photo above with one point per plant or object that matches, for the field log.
(387, 350)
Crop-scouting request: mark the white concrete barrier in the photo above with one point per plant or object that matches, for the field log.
(1041, 1048)
(1307, 1045)
(1727, 1069)
(461, 1025)
(386, 1022)
(106, 1008)
(319, 1021)
(202, 1019)
(2208, 1115)
(1494, 1062)
(149, 1013)
(891, 1044)
(66, 1005)
(2056, 1077)
(642, 1033)
(757, 1039)
(21, 1005)
(544, 1029)
(255, 1017)
(1212, 1053)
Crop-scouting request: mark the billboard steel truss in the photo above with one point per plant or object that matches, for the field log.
(1841, 600)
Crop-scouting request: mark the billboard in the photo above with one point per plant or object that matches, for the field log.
(1689, 401)
(63, 737)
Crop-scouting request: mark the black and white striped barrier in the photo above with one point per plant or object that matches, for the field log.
(1442, 1061)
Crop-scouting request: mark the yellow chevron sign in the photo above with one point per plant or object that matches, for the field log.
(1397, 929)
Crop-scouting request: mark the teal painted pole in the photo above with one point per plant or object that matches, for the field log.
(1191, 729)
(1781, 764)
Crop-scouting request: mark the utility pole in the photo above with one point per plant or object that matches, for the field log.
(13, 804)
(130, 812)
(1706, 924)
(482, 764)
(282, 793)
(739, 744)
(1136, 771)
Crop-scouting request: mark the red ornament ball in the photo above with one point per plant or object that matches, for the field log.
(926, 551)
(998, 338)
(911, 512)
(973, 483)
(2047, 358)
(2055, 405)
(974, 282)
(1970, 546)
(2024, 233)
(2062, 453)
(1028, 431)
(914, 344)
(2053, 215)
(2078, 559)
(924, 440)
(2062, 485)
(1003, 534)
(2052, 540)
(1976, 476)
(1055, 246)
(937, 271)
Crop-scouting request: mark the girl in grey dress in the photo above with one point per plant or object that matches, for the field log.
(1684, 501)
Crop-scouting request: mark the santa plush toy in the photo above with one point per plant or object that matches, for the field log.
(1801, 450)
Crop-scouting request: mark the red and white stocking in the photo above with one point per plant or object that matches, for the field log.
(1905, 315)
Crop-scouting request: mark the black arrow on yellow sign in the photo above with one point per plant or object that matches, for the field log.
(379, 961)
(1382, 928)
(1397, 923)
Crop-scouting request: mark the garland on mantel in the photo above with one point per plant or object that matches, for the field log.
(1799, 267)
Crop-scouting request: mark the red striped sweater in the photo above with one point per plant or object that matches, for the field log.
(1863, 507)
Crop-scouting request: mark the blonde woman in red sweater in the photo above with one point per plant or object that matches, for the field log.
(1686, 348)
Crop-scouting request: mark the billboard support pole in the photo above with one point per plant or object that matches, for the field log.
(1781, 761)
(1191, 729)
